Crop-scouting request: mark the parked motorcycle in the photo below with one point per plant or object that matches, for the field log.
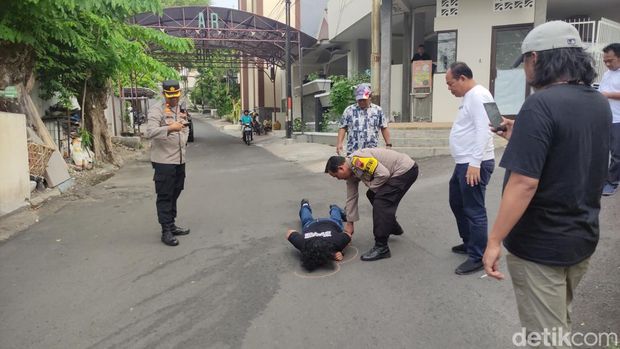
(258, 128)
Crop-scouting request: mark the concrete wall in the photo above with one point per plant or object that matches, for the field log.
(474, 25)
(113, 102)
(396, 94)
(15, 183)
(328, 138)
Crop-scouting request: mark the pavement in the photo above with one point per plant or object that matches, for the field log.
(311, 156)
(92, 273)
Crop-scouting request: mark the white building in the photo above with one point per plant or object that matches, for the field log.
(486, 34)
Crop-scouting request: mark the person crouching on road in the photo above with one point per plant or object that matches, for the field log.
(166, 128)
(322, 239)
(388, 175)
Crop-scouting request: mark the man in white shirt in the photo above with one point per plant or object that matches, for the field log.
(610, 88)
(471, 146)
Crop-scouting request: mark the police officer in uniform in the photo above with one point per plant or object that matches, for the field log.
(167, 129)
(388, 175)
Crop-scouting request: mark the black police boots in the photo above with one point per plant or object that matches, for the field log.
(377, 252)
(398, 230)
(179, 231)
(167, 235)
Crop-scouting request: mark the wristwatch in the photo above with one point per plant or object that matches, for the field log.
(388, 145)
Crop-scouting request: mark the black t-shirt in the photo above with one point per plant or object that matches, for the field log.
(324, 230)
(561, 138)
(421, 57)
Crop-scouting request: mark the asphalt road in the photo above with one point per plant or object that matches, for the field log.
(95, 275)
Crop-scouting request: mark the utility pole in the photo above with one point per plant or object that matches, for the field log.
(375, 56)
(287, 48)
(301, 85)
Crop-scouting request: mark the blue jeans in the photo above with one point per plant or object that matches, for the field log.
(614, 147)
(467, 204)
(305, 214)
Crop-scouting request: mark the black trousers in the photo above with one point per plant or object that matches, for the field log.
(169, 182)
(385, 203)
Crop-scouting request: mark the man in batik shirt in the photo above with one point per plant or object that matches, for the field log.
(362, 122)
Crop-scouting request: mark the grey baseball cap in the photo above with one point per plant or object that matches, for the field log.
(362, 91)
(549, 36)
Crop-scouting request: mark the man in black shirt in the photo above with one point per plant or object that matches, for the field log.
(556, 165)
(322, 239)
(421, 54)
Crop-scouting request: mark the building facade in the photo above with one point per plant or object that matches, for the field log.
(486, 34)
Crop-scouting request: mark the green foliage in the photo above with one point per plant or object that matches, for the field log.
(172, 3)
(39, 22)
(216, 88)
(232, 118)
(87, 43)
(297, 125)
(313, 76)
(342, 91)
(86, 137)
(77, 40)
(328, 117)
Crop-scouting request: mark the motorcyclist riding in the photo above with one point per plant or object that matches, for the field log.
(246, 119)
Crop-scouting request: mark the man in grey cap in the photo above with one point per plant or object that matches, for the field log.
(556, 164)
(362, 122)
(167, 129)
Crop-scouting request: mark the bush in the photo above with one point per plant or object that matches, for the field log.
(342, 91)
(297, 125)
(313, 76)
(328, 118)
(232, 118)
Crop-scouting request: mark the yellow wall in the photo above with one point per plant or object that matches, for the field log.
(474, 25)
(15, 183)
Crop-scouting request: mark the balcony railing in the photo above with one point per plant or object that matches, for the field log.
(596, 35)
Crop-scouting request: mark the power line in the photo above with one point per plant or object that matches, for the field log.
(274, 8)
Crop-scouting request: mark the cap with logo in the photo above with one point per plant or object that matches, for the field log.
(171, 88)
(362, 91)
(549, 36)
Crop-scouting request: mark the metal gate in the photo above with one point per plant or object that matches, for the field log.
(608, 32)
(595, 36)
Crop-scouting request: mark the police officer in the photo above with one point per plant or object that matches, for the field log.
(167, 129)
(388, 175)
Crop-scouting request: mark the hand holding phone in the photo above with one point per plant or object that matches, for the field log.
(495, 117)
(175, 126)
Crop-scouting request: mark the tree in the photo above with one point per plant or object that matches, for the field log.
(215, 85)
(76, 48)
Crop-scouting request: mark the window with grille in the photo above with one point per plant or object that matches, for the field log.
(507, 5)
(449, 8)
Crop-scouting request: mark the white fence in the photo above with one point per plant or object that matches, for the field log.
(595, 36)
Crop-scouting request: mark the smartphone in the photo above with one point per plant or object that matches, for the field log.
(494, 116)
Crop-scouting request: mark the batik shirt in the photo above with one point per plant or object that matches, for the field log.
(363, 126)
